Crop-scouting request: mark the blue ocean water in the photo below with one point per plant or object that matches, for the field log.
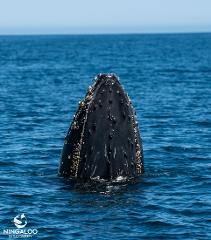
(168, 78)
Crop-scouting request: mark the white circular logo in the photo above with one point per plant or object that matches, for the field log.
(20, 220)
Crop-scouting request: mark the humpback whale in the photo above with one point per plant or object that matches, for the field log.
(103, 141)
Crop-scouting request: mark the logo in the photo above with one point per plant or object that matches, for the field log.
(20, 231)
(20, 220)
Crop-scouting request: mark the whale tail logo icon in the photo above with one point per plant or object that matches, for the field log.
(20, 220)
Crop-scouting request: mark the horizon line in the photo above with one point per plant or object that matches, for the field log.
(106, 33)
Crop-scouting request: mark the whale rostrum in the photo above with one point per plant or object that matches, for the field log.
(103, 141)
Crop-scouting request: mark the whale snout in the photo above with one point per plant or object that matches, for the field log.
(106, 79)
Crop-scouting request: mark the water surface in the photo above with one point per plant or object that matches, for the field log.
(168, 78)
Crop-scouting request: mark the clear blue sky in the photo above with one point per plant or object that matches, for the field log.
(104, 16)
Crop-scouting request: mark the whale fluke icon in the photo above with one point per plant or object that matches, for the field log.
(20, 220)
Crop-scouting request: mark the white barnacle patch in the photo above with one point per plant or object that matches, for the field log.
(75, 159)
(77, 149)
(90, 89)
(74, 125)
(138, 159)
(138, 154)
(88, 97)
(81, 104)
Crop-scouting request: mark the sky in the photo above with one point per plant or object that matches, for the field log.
(104, 16)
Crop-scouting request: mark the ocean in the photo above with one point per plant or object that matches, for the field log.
(168, 78)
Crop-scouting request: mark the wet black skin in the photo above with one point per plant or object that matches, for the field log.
(103, 141)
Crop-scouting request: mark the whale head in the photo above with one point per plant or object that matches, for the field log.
(103, 141)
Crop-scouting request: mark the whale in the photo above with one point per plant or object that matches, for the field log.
(103, 141)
